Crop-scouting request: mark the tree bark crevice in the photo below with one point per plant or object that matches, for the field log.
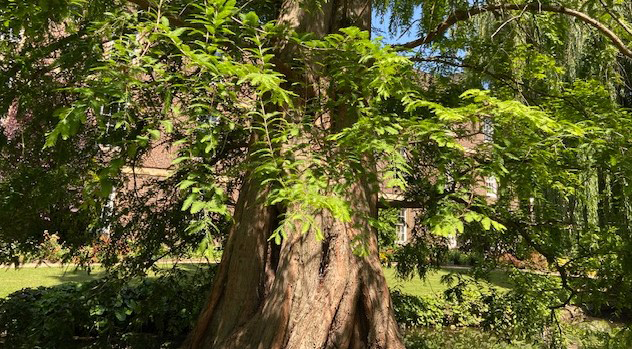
(302, 307)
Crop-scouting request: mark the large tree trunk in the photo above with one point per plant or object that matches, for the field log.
(304, 293)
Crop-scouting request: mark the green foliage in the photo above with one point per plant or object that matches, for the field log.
(589, 335)
(499, 320)
(599, 334)
(219, 89)
(386, 227)
(466, 303)
(460, 339)
(107, 309)
(51, 250)
(114, 313)
(458, 257)
(418, 311)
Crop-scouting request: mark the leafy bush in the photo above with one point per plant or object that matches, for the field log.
(32, 317)
(514, 316)
(107, 309)
(458, 257)
(463, 338)
(417, 311)
(116, 312)
(508, 316)
(460, 306)
(495, 321)
(599, 335)
(51, 249)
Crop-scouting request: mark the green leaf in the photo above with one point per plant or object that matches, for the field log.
(177, 32)
(120, 315)
(189, 201)
(186, 184)
(486, 222)
(198, 206)
(154, 134)
(167, 125)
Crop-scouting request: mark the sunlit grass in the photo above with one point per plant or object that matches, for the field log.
(12, 279)
(432, 285)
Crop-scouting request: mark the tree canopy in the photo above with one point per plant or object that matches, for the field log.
(311, 114)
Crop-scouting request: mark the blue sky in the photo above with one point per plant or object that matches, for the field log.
(381, 24)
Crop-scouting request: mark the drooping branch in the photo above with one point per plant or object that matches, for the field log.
(463, 15)
(506, 80)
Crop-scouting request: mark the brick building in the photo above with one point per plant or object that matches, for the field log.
(157, 164)
(487, 187)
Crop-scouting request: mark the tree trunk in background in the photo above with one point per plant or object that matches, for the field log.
(304, 293)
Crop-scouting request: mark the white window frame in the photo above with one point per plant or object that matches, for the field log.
(11, 37)
(108, 111)
(488, 130)
(106, 212)
(401, 227)
(492, 186)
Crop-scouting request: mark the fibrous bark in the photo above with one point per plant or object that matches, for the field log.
(304, 293)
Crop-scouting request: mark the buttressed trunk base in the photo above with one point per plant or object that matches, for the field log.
(304, 293)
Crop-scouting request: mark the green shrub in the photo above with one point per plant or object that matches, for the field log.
(33, 317)
(417, 311)
(107, 310)
(495, 321)
(599, 334)
(462, 338)
(114, 312)
(51, 249)
(458, 257)
(460, 306)
(508, 316)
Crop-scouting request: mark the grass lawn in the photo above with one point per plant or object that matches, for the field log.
(12, 279)
(432, 285)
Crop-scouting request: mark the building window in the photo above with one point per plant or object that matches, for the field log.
(210, 119)
(213, 120)
(106, 214)
(10, 36)
(492, 186)
(401, 228)
(108, 111)
(449, 181)
(488, 130)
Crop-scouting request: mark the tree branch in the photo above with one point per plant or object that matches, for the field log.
(463, 15)
(616, 18)
(396, 203)
(175, 20)
(42, 52)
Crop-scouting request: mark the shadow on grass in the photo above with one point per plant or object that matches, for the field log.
(77, 276)
(432, 283)
(72, 274)
(497, 278)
